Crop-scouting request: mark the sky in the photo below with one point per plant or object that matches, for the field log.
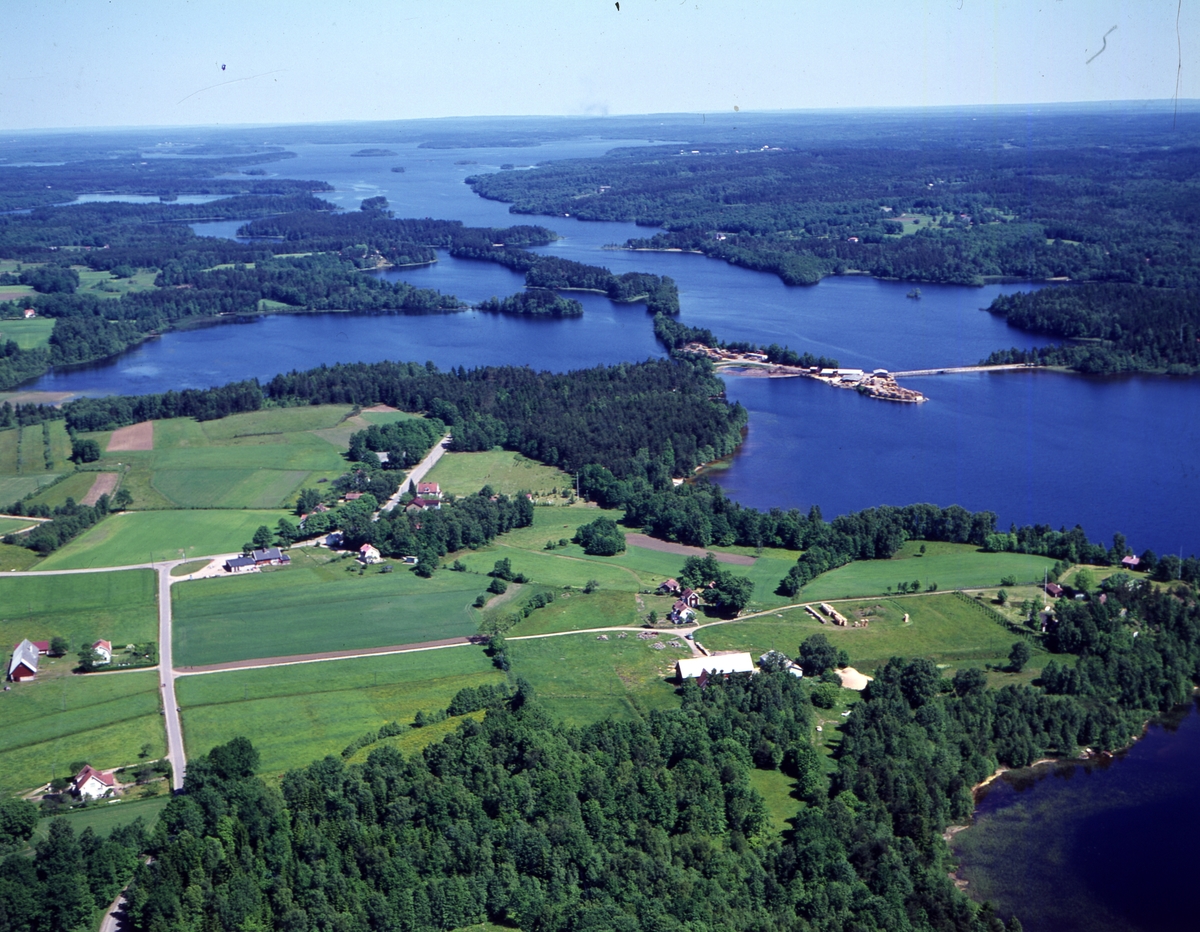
(95, 63)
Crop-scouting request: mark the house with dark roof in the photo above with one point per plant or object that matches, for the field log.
(24, 662)
(240, 564)
(1054, 590)
(691, 597)
(681, 613)
(424, 504)
(272, 556)
(90, 783)
(669, 587)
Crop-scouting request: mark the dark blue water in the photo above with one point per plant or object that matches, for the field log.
(1084, 847)
(1033, 447)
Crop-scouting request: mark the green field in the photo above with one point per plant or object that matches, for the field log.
(581, 679)
(8, 525)
(102, 818)
(23, 457)
(315, 606)
(75, 486)
(951, 566)
(15, 488)
(941, 627)
(57, 720)
(17, 558)
(143, 536)
(29, 334)
(297, 714)
(778, 791)
(464, 473)
(105, 285)
(253, 460)
(118, 607)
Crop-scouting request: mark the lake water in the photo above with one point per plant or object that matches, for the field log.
(1091, 846)
(1033, 447)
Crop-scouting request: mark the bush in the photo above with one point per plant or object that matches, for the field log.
(601, 538)
(497, 586)
(825, 696)
(85, 451)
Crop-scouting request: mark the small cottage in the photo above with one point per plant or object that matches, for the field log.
(90, 783)
(103, 650)
(368, 554)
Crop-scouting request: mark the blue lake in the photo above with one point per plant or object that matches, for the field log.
(1033, 447)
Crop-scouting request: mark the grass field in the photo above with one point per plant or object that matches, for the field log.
(102, 818)
(14, 488)
(941, 627)
(8, 525)
(297, 714)
(23, 456)
(139, 536)
(16, 558)
(253, 460)
(29, 334)
(57, 720)
(464, 473)
(951, 566)
(119, 607)
(315, 606)
(105, 285)
(778, 791)
(581, 679)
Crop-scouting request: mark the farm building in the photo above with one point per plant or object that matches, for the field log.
(691, 667)
(241, 564)
(90, 783)
(368, 554)
(24, 662)
(104, 650)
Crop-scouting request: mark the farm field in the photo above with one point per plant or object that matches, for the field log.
(8, 525)
(318, 605)
(23, 456)
(106, 285)
(14, 488)
(298, 714)
(16, 558)
(581, 679)
(104, 817)
(119, 607)
(504, 471)
(253, 460)
(29, 334)
(57, 720)
(942, 627)
(951, 566)
(75, 486)
(140, 536)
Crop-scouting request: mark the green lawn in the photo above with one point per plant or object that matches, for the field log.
(951, 566)
(118, 607)
(17, 558)
(941, 627)
(29, 334)
(314, 606)
(778, 792)
(103, 817)
(297, 714)
(581, 679)
(577, 611)
(140, 536)
(59, 719)
(464, 473)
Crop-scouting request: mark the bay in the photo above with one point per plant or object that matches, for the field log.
(1082, 846)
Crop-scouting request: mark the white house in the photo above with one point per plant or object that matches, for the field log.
(90, 783)
(368, 554)
(692, 667)
(104, 649)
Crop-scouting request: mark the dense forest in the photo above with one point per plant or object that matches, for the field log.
(955, 212)
(1117, 328)
(533, 302)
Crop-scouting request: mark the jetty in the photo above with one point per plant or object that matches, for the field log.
(877, 383)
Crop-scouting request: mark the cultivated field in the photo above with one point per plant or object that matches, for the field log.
(57, 720)
(581, 679)
(29, 334)
(16, 558)
(941, 627)
(75, 486)
(315, 606)
(8, 525)
(297, 714)
(465, 473)
(119, 607)
(140, 537)
(23, 459)
(104, 818)
(951, 566)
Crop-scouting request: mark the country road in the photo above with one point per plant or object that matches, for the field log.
(418, 472)
(166, 679)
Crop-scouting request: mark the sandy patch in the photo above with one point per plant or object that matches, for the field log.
(664, 546)
(852, 679)
(35, 398)
(105, 484)
(380, 409)
(134, 437)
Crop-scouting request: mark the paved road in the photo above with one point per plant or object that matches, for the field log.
(166, 678)
(418, 471)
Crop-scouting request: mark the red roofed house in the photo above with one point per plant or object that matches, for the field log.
(691, 597)
(1054, 590)
(104, 649)
(92, 784)
(424, 504)
(428, 490)
(669, 586)
(353, 496)
(1130, 562)
(24, 663)
(30, 312)
(368, 554)
(681, 613)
